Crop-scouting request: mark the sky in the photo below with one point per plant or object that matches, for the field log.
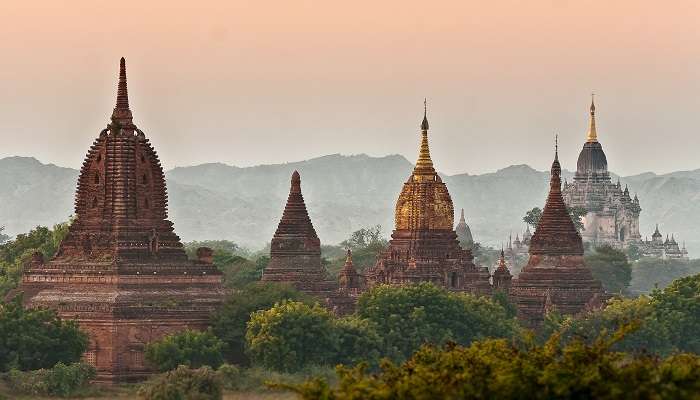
(259, 82)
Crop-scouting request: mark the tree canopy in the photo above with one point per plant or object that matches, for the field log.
(191, 348)
(611, 267)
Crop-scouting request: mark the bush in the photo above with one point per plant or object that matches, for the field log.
(183, 384)
(230, 376)
(496, 369)
(230, 321)
(408, 316)
(357, 341)
(677, 308)
(290, 336)
(61, 380)
(611, 267)
(31, 339)
(191, 348)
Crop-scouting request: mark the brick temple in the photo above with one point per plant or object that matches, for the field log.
(555, 277)
(424, 246)
(121, 271)
(295, 250)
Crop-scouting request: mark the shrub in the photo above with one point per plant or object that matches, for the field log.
(291, 336)
(408, 316)
(230, 376)
(183, 384)
(31, 339)
(497, 369)
(230, 321)
(191, 348)
(677, 308)
(357, 341)
(61, 380)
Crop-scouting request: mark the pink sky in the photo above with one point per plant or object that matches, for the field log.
(257, 82)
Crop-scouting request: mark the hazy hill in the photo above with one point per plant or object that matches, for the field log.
(343, 193)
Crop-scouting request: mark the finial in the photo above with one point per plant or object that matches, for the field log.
(122, 113)
(424, 125)
(296, 183)
(461, 218)
(556, 146)
(592, 136)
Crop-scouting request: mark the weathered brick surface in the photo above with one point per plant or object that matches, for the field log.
(121, 271)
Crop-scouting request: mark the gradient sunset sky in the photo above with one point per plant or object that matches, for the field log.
(257, 82)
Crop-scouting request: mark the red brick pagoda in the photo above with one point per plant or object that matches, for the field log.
(424, 245)
(295, 251)
(555, 277)
(121, 271)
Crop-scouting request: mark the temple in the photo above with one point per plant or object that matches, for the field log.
(121, 271)
(555, 277)
(659, 248)
(612, 215)
(424, 245)
(464, 234)
(295, 250)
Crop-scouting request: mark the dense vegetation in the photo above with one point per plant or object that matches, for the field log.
(37, 338)
(498, 369)
(190, 348)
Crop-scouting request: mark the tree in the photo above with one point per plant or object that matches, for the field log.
(611, 267)
(290, 336)
(191, 348)
(3, 237)
(230, 320)
(365, 244)
(357, 340)
(37, 338)
(532, 217)
(16, 253)
(408, 316)
(498, 369)
(677, 308)
(647, 335)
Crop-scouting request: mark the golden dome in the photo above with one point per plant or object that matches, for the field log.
(424, 202)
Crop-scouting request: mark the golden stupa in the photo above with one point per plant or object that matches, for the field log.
(424, 202)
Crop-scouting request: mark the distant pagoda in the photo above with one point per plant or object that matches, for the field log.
(464, 234)
(555, 277)
(612, 215)
(295, 251)
(121, 271)
(424, 245)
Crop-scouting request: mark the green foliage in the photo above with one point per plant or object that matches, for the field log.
(532, 217)
(230, 320)
(677, 308)
(611, 267)
(650, 334)
(239, 265)
(290, 336)
(497, 369)
(184, 384)
(408, 316)
(357, 341)
(501, 298)
(191, 348)
(61, 380)
(230, 376)
(365, 244)
(16, 253)
(37, 338)
(222, 246)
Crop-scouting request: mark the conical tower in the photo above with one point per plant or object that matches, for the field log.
(424, 245)
(464, 234)
(556, 269)
(121, 271)
(295, 251)
(502, 276)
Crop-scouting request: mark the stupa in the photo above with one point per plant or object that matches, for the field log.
(555, 277)
(121, 271)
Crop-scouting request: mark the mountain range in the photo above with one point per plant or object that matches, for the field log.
(343, 193)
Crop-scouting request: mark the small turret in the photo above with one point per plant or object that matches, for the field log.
(502, 276)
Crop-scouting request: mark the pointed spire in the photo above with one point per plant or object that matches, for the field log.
(592, 133)
(122, 114)
(555, 179)
(296, 183)
(461, 217)
(424, 165)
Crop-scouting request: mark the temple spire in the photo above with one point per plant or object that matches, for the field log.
(122, 114)
(592, 133)
(424, 165)
(461, 217)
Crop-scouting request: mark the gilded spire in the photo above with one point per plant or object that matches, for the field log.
(424, 165)
(122, 114)
(592, 133)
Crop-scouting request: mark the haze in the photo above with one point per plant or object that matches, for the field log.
(260, 82)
